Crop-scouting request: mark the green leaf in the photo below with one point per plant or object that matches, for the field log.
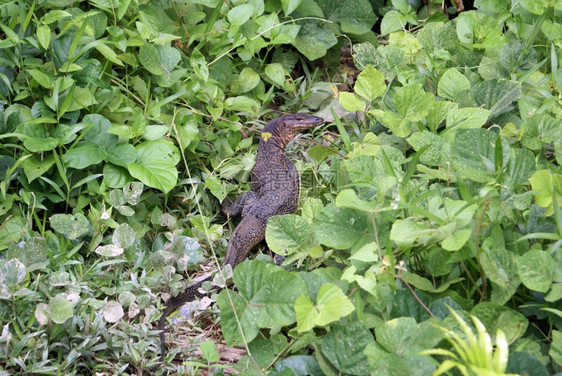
(242, 103)
(497, 95)
(347, 198)
(267, 299)
(352, 102)
(332, 305)
(276, 73)
(306, 314)
(159, 60)
(209, 351)
(313, 41)
(84, 154)
(452, 84)
(392, 21)
(455, 241)
(495, 316)
(290, 5)
(238, 15)
(42, 79)
(155, 165)
(12, 273)
(405, 232)
(555, 351)
(288, 234)
(109, 54)
(34, 167)
(245, 81)
(412, 102)
(474, 153)
(355, 17)
(344, 346)
(123, 236)
(535, 269)
(341, 228)
(71, 226)
(370, 84)
(61, 309)
(467, 117)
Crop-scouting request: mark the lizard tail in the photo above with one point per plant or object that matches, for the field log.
(175, 302)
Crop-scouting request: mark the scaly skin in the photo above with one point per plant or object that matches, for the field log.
(275, 191)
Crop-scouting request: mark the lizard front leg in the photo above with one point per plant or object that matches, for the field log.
(234, 208)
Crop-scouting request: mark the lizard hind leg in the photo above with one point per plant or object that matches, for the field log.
(249, 232)
(235, 208)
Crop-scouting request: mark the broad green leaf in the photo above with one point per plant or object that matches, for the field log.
(109, 250)
(290, 233)
(306, 314)
(54, 15)
(536, 269)
(500, 266)
(42, 78)
(370, 84)
(109, 54)
(61, 309)
(238, 15)
(523, 363)
(474, 153)
(347, 198)
(332, 305)
(209, 351)
(405, 232)
(123, 236)
(229, 320)
(84, 154)
(384, 363)
(412, 102)
(341, 228)
(355, 17)
(495, 316)
(218, 189)
(555, 351)
(467, 118)
(547, 186)
(392, 21)
(122, 154)
(159, 174)
(71, 226)
(344, 346)
(276, 73)
(497, 95)
(155, 165)
(113, 311)
(245, 81)
(34, 167)
(452, 84)
(313, 41)
(455, 241)
(266, 300)
(352, 102)
(159, 60)
(242, 103)
(290, 5)
(12, 273)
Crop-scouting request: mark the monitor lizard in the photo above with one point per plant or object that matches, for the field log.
(274, 191)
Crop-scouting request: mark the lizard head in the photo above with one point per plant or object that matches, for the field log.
(288, 126)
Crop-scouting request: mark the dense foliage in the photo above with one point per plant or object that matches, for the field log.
(430, 229)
